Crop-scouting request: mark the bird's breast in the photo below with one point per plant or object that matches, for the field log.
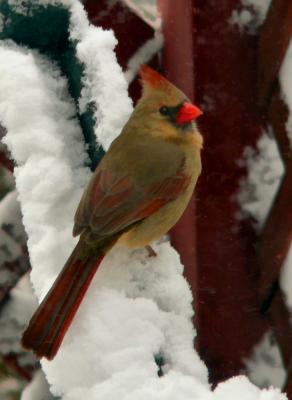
(158, 224)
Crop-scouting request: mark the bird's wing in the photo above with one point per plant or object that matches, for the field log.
(112, 203)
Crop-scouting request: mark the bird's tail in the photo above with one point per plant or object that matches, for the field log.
(54, 315)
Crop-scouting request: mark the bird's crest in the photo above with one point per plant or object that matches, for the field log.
(152, 78)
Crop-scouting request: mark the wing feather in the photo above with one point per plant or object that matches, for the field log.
(111, 203)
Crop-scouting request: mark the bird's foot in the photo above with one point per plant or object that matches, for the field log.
(151, 252)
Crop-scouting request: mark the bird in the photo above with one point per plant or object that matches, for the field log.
(138, 191)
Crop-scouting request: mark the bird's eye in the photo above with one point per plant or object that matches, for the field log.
(164, 110)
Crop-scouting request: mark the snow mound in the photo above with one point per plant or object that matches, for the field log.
(265, 366)
(138, 309)
(45, 140)
(264, 174)
(37, 389)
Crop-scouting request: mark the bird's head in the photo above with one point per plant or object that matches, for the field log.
(166, 107)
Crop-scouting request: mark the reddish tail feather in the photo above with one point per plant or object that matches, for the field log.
(50, 322)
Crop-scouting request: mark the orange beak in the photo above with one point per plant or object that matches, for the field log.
(187, 113)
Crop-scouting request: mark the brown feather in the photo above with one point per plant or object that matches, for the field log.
(54, 315)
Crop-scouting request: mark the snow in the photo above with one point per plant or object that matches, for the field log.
(138, 308)
(51, 147)
(265, 170)
(147, 10)
(286, 87)
(37, 389)
(265, 366)
(95, 50)
(240, 386)
(250, 15)
(141, 308)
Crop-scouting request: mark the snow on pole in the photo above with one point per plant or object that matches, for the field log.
(147, 10)
(265, 171)
(286, 87)
(137, 313)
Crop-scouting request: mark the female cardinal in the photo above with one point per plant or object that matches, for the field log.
(137, 193)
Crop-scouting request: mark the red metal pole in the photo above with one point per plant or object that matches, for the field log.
(228, 320)
(178, 64)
